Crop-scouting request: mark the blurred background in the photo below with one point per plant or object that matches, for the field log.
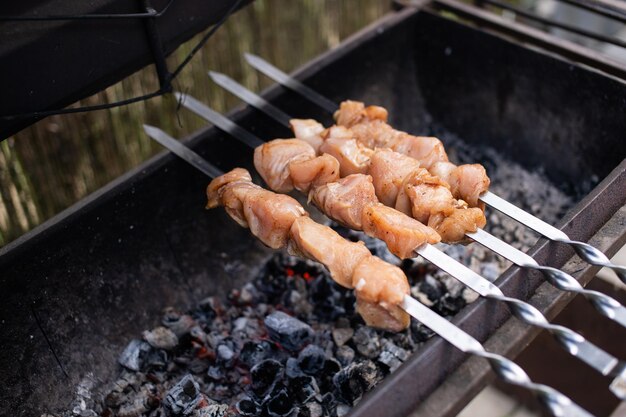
(59, 160)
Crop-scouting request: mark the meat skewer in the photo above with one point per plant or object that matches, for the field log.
(587, 252)
(607, 306)
(286, 164)
(557, 403)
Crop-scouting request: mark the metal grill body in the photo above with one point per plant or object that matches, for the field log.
(87, 267)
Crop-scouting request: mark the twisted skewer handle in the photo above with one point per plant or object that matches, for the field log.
(607, 306)
(507, 370)
(587, 252)
(557, 403)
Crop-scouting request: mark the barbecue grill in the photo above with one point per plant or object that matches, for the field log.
(102, 270)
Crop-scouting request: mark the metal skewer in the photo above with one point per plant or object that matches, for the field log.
(571, 341)
(607, 306)
(584, 250)
(509, 371)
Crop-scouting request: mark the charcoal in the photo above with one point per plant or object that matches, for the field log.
(161, 338)
(280, 404)
(311, 409)
(329, 403)
(255, 352)
(198, 334)
(326, 375)
(341, 336)
(216, 373)
(419, 332)
(134, 409)
(490, 270)
(449, 305)
(225, 355)
(356, 379)
(135, 354)
(345, 355)
(212, 410)
(198, 366)
(247, 407)
(433, 289)
(288, 331)
(367, 342)
(178, 323)
(264, 374)
(342, 410)
(311, 359)
(304, 388)
(292, 369)
(392, 356)
(183, 398)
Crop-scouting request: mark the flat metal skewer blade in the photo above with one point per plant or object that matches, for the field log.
(459, 271)
(291, 83)
(249, 97)
(585, 251)
(218, 120)
(182, 151)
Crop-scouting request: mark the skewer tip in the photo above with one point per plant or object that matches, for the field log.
(216, 75)
(151, 130)
(179, 96)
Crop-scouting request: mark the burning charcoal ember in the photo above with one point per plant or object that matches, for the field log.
(392, 355)
(311, 359)
(356, 379)
(247, 407)
(178, 323)
(183, 398)
(345, 355)
(280, 404)
(134, 355)
(304, 388)
(367, 342)
(264, 375)
(289, 332)
(161, 338)
(198, 334)
(341, 336)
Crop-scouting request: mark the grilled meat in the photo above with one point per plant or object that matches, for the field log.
(280, 221)
(370, 128)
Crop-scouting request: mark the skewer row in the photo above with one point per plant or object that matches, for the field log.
(557, 403)
(572, 342)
